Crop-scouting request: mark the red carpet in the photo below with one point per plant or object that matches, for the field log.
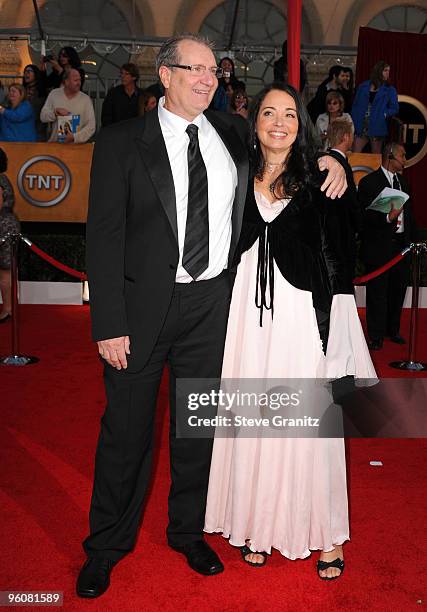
(50, 418)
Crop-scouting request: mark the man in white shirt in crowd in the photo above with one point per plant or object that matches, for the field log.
(69, 100)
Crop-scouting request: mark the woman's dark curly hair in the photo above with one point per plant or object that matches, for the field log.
(301, 170)
(73, 56)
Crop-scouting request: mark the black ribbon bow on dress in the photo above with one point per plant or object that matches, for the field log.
(265, 273)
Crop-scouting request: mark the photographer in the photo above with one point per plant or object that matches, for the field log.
(67, 58)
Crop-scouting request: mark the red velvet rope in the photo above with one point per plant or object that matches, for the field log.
(81, 275)
(367, 277)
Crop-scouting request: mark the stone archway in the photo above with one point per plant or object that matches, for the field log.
(363, 11)
(192, 14)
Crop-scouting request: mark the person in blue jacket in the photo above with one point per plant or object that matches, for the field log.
(17, 123)
(375, 102)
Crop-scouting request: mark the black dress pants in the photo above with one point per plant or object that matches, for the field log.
(192, 343)
(385, 295)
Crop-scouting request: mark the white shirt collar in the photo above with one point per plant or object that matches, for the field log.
(176, 124)
(389, 175)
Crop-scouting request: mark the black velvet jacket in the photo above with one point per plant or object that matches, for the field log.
(306, 242)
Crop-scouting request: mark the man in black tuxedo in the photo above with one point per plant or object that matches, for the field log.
(383, 237)
(340, 136)
(166, 204)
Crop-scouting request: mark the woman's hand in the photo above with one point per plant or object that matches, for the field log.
(335, 182)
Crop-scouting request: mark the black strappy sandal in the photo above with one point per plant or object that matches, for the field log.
(245, 551)
(323, 565)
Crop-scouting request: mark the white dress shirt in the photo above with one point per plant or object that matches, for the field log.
(222, 181)
(389, 176)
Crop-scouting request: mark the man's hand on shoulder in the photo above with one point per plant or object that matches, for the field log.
(335, 182)
(114, 351)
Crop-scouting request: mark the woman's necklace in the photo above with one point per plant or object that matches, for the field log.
(272, 168)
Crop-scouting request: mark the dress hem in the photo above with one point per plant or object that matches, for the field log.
(307, 553)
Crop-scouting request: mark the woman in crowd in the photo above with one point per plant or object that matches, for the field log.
(347, 88)
(374, 103)
(334, 108)
(227, 85)
(8, 224)
(287, 493)
(146, 102)
(3, 94)
(17, 122)
(36, 96)
(67, 57)
(239, 103)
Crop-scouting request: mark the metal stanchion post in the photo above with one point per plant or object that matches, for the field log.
(412, 365)
(15, 359)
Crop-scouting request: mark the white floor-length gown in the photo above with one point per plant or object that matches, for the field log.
(284, 493)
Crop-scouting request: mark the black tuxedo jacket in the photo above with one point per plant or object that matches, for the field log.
(350, 196)
(347, 167)
(377, 234)
(307, 243)
(132, 237)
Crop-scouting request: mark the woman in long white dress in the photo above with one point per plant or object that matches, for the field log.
(292, 315)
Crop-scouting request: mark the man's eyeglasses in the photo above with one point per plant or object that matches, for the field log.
(200, 70)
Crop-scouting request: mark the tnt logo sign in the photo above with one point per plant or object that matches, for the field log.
(413, 114)
(44, 181)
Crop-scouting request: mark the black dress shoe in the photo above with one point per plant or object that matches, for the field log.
(201, 558)
(94, 577)
(375, 345)
(398, 339)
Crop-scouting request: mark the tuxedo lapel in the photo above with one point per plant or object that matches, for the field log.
(152, 149)
(239, 154)
(380, 181)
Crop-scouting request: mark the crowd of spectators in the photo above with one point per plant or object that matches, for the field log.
(35, 110)
(49, 105)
